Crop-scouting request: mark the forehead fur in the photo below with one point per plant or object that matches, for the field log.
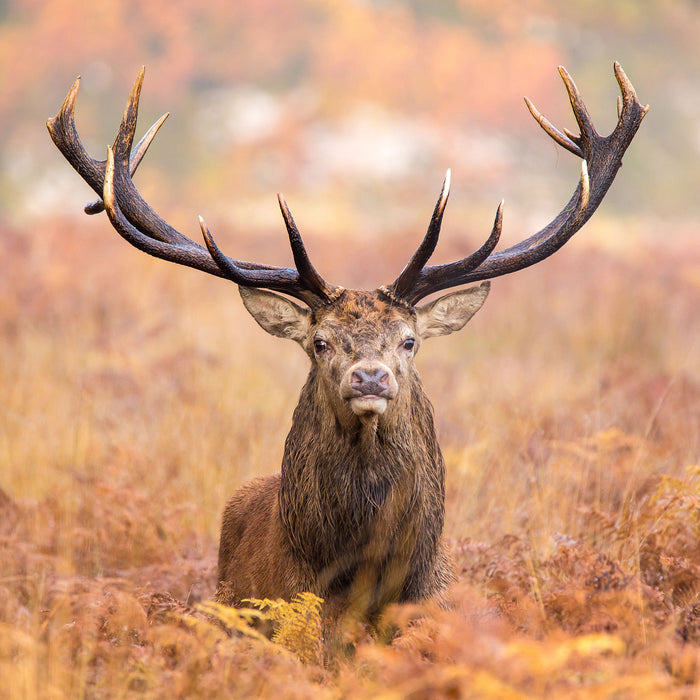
(361, 308)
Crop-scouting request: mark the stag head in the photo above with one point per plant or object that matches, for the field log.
(362, 344)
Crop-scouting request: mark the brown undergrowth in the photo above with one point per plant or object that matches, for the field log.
(135, 400)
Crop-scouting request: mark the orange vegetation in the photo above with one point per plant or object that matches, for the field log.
(137, 396)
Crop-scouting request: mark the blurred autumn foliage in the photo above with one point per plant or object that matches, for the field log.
(345, 104)
(136, 396)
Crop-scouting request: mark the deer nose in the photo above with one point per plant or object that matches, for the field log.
(373, 381)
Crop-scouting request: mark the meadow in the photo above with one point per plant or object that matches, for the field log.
(137, 396)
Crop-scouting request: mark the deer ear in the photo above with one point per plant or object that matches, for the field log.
(276, 314)
(451, 312)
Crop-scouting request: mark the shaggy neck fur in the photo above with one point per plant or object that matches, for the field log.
(362, 501)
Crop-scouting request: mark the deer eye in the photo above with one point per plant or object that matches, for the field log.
(409, 343)
(320, 346)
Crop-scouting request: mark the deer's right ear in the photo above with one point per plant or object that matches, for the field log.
(276, 314)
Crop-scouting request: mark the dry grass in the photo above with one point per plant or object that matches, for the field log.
(137, 396)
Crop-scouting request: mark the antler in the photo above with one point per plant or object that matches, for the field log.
(136, 222)
(602, 158)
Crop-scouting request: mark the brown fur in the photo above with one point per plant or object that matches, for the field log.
(357, 513)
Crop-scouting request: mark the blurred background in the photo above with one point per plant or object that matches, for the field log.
(354, 109)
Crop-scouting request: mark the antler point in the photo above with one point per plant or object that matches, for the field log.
(585, 184)
(445, 188)
(69, 103)
(108, 185)
(209, 241)
(286, 213)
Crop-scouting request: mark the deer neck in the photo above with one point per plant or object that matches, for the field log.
(397, 444)
(354, 486)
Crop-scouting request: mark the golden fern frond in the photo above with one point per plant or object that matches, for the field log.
(233, 619)
(297, 623)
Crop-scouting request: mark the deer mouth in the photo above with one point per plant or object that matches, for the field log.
(368, 403)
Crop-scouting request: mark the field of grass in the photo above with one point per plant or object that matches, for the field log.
(136, 397)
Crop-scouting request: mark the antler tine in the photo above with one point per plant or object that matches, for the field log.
(405, 281)
(562, 139)
(583, 118)
(628, 98)
(281, 279)
(135, 159)
(127, 128)
(307, 272)
(65, 136)
(437, 277)
(601, 159)
(584, 188)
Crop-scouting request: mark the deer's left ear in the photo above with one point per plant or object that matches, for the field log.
(451, 312)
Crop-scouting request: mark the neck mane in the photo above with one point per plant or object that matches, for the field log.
(354, 492)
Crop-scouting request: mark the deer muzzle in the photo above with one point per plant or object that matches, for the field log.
(368, 387)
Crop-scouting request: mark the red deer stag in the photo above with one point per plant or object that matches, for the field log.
(356, 514)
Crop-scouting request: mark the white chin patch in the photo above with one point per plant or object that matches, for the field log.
(362, 405)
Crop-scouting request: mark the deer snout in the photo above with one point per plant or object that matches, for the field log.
(368, 387)
(370, 381)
